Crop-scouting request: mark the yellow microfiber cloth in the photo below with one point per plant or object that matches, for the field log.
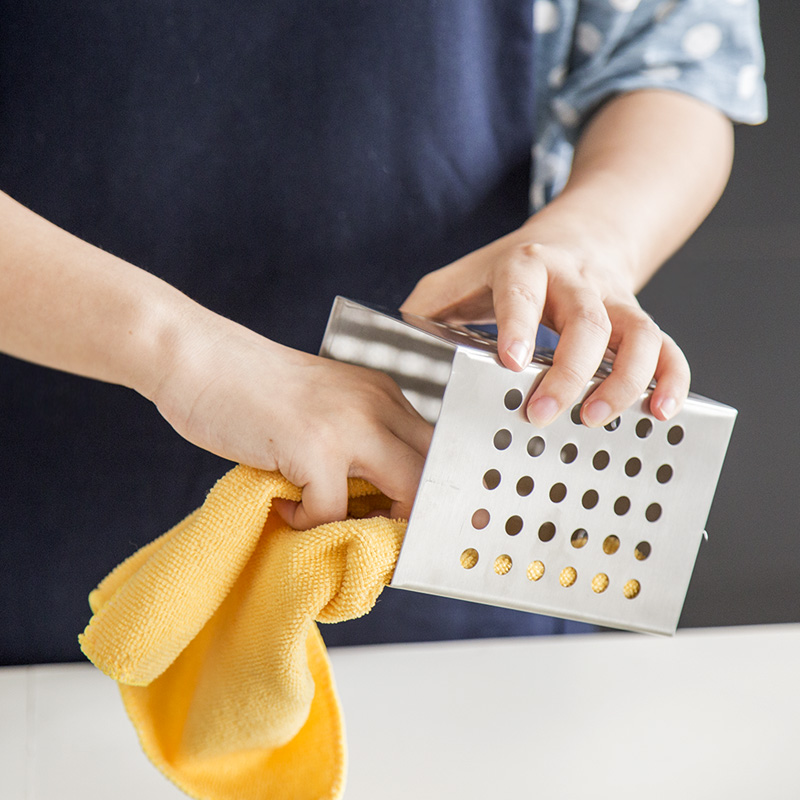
(210, 632)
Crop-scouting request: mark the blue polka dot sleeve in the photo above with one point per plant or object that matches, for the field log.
(589, 50)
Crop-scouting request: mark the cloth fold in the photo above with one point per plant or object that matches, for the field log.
(210, 632)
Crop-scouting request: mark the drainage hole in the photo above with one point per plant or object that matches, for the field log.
(653, 512)
(590, 499)
(524, 486)
(644, 427)
(600, 583)
(547, 530)
(642, 551)
(535, 571)
(664, 473)
(513, 399)
(633, 466)
(610, 545)
(469, 558)
(558, 492)
(631, 589)
(480, 519)
(580, 538)
(622, 505)
(536, 446)
(502, 564)
(569, 452)
(675, 434)
(491, 479)
(502, 439)
(513, 525)
(568, 576)
(601, 459)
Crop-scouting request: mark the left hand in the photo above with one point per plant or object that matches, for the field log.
(576, 281)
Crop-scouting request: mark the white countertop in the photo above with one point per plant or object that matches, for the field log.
(708, 714)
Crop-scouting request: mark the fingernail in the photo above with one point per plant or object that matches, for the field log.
(520, 353)
(668, 406)
(596, 413)
(542, 410)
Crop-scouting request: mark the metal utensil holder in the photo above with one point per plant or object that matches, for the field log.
(601, 525)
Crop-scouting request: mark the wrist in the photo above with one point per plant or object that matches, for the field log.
(159, 337)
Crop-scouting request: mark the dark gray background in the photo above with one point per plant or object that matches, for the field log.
(731, 298)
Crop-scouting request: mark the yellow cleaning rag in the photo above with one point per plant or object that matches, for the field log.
(210, 632)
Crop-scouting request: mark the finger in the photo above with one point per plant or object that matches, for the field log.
(324, 500)
(455, 293)
(396, 413)
(673, 378)
(581, 318)
(638, 341)
(395, 468)
(410, 427)
(518, 293)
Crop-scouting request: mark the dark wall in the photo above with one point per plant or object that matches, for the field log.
(731, 298)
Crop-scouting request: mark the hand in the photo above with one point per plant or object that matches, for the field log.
(317, 421)
(574, 280)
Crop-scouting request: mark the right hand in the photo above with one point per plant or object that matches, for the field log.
(246, 398)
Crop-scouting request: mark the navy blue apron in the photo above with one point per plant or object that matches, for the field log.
(262, 157)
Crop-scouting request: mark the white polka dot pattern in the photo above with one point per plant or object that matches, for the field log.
(588, 38)
(545, 16)
(702, 40)
(589, 50)
(557, 76)
(625, 6)
(747, 81)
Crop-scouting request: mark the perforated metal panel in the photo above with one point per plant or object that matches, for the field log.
(601, 525)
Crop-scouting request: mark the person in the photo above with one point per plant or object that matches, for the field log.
(256, 162)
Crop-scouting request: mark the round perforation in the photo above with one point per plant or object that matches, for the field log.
(642, 551)
(536, 446)
(558, 492)
(601, 460)
(547, 530)
(469, 558)
(664, 473)
(513, 399)
(600, 583)
(525, 486)
(480, 519)
(503, 564)
(569, 452)
(633, 466)
(622, 505)
(579, 539)
(590, 499)
(568, 576)
(631, 589)
(535, 571)
(614, 424)
(575, 414)
(675, 435)
(653, 512)
(514, 525)
(611, 545)
(491, 479)
(644, 427)
(502, 439)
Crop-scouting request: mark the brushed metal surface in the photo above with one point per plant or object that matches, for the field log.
(489, 515)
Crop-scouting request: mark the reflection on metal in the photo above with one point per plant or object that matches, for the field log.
(569, 542)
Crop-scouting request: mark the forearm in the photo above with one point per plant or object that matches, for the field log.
(647, 170)
(71, 306)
